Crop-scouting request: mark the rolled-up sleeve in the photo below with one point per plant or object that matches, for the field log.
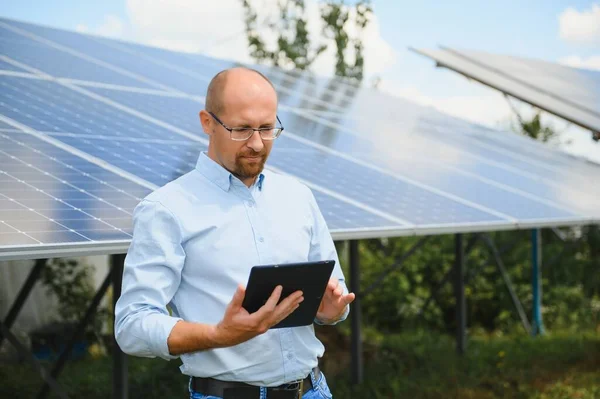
(151, 276)
(322, 247)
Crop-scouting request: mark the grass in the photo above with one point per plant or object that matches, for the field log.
(413, 365)
(426, 366)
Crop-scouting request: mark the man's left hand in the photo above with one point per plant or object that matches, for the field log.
(334, 302)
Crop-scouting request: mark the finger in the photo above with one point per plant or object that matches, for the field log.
(278, 317)
(289, 304)
(338, 291)
(274, 298)
(284, 311)
(270, 304)
(348, 299)
(333, 284)
(238, 298)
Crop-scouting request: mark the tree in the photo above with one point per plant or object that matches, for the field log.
(335, 16)
(534, 127)
(294, 47)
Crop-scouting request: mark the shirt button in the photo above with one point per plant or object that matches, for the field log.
(290, 356)
(261, 239)
(250, 205)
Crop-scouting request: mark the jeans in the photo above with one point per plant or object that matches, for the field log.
(320, 390)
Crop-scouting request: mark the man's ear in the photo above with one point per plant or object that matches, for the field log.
(206, 121)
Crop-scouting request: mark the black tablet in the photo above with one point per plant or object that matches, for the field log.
(309, 277)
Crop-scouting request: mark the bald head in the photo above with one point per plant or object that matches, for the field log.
(228, 80)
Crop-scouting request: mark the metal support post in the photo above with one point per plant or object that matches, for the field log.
(459, 293)
(537, 326)
(507, 281)
(120, 371)
(355, 315)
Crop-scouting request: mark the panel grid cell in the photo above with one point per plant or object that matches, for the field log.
(50, 196)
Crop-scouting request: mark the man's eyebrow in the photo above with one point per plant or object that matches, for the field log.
(247, 125)
(243, 125)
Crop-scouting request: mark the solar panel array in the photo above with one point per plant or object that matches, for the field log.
(89, 126)
(571, 93)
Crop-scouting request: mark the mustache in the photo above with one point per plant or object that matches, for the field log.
(253, 154)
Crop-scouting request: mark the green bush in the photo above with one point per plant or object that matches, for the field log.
(408, 297)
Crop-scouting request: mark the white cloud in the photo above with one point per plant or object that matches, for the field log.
(111, 26)
(191, 26)
(576, 61)
(218, 29)
(83, 28)
(583, 27)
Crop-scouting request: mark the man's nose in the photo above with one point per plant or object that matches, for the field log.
(255, 142)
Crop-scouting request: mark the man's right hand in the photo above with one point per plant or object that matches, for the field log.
(238, 325)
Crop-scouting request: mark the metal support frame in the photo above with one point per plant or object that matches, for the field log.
(77, 333)
(459, 293)
(507, 281)
(13, 314)
(470, 245)
(356, 315)
(24, 292)
(398, 265)
(114, 277)
(23, 351)
(120, 370)
(536, 281)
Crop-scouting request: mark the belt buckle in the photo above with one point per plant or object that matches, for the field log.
(300, 389)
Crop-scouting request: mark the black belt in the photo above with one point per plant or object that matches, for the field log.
(235, 390)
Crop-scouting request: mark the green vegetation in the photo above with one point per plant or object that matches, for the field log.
(413, 365)
(502, 361)
(412, 296)
(423, 365)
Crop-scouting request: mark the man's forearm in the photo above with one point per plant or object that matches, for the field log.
(189, 337)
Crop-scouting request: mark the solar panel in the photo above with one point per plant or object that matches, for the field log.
(304, 160)
(51, 197)
(578, 86)
(570, 93)
(96, 124)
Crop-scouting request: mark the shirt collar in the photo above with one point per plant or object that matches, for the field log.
(218, 174)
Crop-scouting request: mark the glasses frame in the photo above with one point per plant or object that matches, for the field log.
(278, 129)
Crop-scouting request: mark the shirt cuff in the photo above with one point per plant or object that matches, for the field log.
(159, 326)
(340, 319)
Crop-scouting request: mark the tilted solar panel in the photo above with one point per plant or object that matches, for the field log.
(570, 93)
(89, 110)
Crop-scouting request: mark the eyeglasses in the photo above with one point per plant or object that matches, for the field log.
(244, 133)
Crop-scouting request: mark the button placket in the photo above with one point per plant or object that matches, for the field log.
(255, 223)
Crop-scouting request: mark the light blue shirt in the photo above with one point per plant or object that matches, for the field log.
(196, 239)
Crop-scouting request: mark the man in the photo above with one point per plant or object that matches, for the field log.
(195, 241)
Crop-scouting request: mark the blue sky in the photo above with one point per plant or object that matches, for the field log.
(522, 28)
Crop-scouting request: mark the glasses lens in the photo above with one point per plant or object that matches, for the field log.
(245, 134)
(241, 134)
(268, 134)
(275, 133)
